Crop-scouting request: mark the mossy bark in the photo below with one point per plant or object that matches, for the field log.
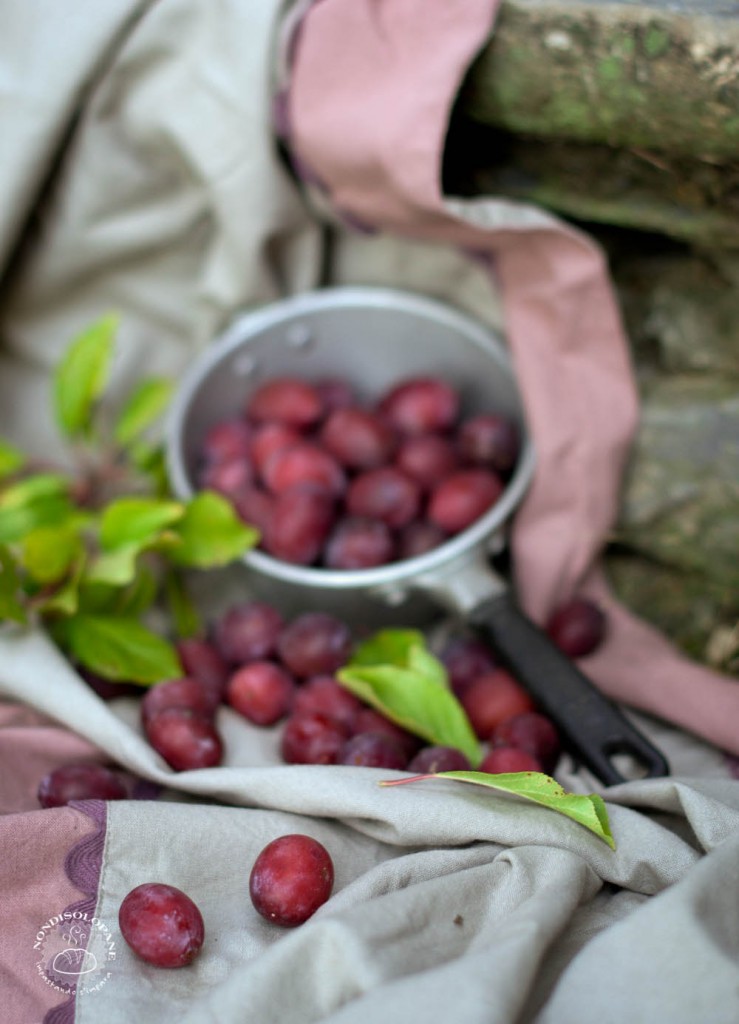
(625, 74)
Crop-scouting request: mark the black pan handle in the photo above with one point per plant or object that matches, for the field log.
(591, 727)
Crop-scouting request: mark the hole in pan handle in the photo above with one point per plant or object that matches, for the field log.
(592, 728)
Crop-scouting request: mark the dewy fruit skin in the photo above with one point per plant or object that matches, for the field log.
(291, 878)
(162, 925)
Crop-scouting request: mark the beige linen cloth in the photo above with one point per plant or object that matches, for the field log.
(140, 172)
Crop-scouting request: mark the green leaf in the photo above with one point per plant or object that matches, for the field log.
(395, 673)
(34, 488)
(82, 374)
(115, 568)
(128, 527)
(37, 501)
(11, 459)
(17, 522)
(119, 647)
(388, 647)
(405, 648)
(211, 533)
(420, 659)
(588, 810)
(10, 588)
(142, 409)
(48, 552)
(137, 521)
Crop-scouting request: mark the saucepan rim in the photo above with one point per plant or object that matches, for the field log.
(249, 325)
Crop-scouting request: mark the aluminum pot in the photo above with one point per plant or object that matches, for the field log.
(375, 337)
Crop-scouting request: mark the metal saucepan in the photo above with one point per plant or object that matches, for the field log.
(375, 337)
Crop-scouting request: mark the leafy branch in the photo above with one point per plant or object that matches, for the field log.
(89, 553)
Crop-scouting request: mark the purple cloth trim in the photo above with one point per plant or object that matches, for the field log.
(61, 1014)
(83, 865)
(83, 862)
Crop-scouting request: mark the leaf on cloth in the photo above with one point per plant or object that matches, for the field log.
(119, 648)
(82, 374)
(588, 810)
(396, 673)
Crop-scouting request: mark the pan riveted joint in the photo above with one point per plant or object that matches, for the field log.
(464, 584)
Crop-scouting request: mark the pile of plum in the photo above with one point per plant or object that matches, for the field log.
(336, 483)
(277, 672)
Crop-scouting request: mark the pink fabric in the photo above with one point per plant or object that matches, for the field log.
(30, 747)
(34, 887)
(372, 87)
(35, 845)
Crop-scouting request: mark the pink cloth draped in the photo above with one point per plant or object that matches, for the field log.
(34, 878)
(35, 888)
(371, 92)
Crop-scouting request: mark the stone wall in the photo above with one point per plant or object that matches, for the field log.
(678, 536)
(624, 118)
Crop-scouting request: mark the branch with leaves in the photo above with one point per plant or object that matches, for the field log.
(88, 554)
